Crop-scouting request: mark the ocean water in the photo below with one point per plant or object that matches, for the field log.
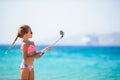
(65, 63)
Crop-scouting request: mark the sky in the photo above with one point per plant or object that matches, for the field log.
(47, 17)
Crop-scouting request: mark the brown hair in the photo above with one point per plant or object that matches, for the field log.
(21, 32)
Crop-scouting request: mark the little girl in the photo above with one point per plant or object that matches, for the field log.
(28, 52)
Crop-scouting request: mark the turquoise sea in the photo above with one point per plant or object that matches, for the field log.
(65, 63)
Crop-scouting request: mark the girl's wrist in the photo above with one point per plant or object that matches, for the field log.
(42, 52)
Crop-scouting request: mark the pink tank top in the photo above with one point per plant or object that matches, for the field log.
(31, 49)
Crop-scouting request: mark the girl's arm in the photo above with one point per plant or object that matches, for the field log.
(44, 50)
(36, 55)
(24, 52)
(39, 54)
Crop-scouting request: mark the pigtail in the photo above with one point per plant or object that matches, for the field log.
(7, 51)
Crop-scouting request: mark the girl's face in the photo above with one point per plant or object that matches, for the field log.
(29, 34)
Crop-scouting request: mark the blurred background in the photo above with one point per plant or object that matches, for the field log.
(85, 22)
(89, 50)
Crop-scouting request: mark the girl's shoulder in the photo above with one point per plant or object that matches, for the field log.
(31, 42)
(24, 45)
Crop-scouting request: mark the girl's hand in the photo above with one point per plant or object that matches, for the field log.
(46, 49)
(37, 55)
